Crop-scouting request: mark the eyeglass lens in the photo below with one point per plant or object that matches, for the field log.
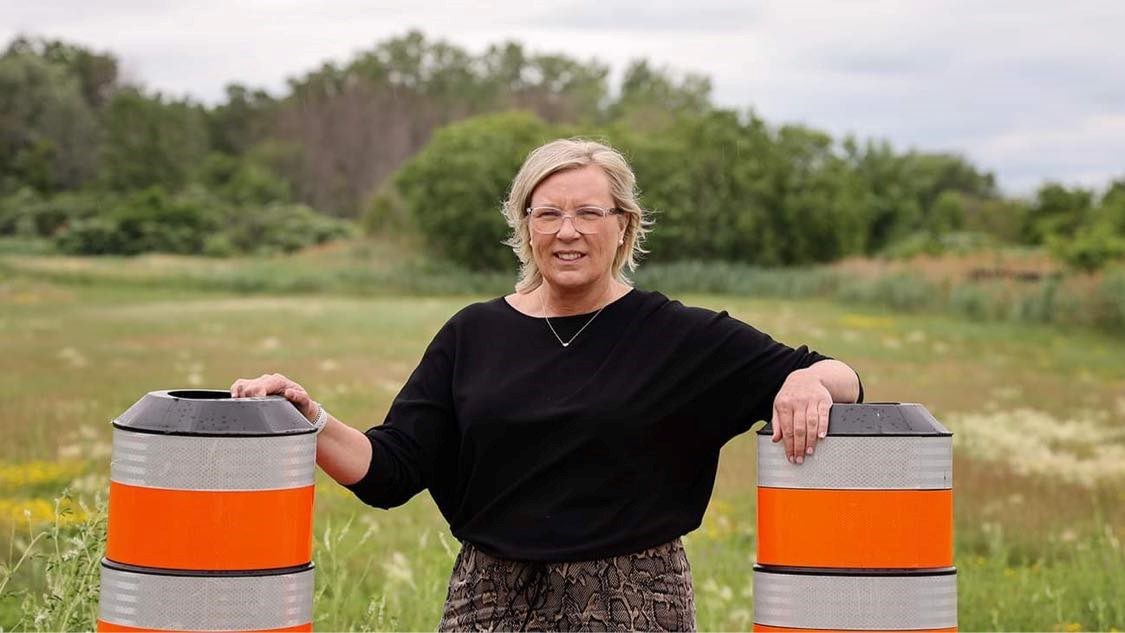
(586, 220)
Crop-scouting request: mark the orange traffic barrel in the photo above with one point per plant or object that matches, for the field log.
(210, 515)
(859, 536)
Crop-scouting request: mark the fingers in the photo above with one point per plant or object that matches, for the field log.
(823, 409)
(784, 421)
(276, 384)
(800, 432)
(297, 396)
(802, 425)
(812, 424)
(300, 399)
(264, 385)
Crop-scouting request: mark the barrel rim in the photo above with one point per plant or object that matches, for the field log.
(175, 412)
(928, 425)
(205, 573)
(133, 429)
(854, 571)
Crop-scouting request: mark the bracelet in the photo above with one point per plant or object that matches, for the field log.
(321, 419)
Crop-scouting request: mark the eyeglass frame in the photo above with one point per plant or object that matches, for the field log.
(573, 216)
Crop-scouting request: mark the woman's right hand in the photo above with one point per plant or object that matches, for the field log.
(276, 384)
(343, 452)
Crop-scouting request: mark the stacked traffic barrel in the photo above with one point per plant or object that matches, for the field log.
(210, 515)
(859, 536)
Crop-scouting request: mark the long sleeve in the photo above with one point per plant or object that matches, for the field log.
(748, 368)
(416, 446)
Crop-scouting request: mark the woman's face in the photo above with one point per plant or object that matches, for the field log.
(555, 253)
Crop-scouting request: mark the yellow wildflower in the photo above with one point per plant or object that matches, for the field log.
(22, 475)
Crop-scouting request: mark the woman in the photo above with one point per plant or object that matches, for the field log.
(570, 431)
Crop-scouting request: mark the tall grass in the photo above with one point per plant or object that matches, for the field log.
(361, 269)
(1069, 583)
(66, 556)
(1036, 542)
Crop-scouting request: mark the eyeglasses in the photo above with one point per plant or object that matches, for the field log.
(586, 220)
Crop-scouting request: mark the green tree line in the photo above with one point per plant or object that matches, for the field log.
(422, 136)
(724, 185)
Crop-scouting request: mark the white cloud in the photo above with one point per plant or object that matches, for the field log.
(713, 16)
(1093, 149)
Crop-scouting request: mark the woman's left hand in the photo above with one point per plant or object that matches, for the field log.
(800, 414)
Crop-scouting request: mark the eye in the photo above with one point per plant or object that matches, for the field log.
(590, 213)
(545, 213)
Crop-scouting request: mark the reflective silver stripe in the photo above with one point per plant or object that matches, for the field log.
(850, 462)
(213, 463)
(855, 602)
(205, 603)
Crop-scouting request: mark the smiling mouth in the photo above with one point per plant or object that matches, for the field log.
(569, 257)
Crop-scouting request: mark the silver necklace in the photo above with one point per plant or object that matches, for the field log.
(543, 309)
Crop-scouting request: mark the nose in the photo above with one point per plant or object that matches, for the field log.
(567, 230)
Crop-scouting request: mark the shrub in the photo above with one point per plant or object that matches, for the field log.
(453, 188)
(386, 214)
(145, 221)
(917, 243)
(28, 214)
(1091, 248)
(282, 228)
(243, 181)
(218, 245)
(93, 236)
(196, 222)
(928, 243)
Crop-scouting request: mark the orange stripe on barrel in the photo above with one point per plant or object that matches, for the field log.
(904, 529)
(109, 626)
(209, 530)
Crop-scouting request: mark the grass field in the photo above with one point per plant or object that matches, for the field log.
(1037, 411)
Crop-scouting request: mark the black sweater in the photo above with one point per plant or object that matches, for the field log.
(534, 451)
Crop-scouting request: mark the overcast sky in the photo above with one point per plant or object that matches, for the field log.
(1031, 90)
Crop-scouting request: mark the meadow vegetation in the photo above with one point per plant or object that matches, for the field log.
(1019, 285)
(1039, 490)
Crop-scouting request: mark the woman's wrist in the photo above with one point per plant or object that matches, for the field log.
(804, 374)
(841, 381)
(320, 420)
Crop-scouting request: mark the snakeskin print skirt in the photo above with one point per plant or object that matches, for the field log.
(644, 591)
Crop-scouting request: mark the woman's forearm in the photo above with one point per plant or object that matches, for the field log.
(342, 452)
(838, 378)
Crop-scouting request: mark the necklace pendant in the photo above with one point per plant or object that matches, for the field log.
(543, 307)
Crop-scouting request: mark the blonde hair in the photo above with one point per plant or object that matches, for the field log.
(562, 155)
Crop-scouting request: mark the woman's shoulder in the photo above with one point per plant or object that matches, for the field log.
(489, 310)
(670, 308)
(469, 321)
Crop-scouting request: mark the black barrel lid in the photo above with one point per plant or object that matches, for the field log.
(879, 419)
(212, 412)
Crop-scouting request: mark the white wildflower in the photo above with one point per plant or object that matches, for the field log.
(1082, 450)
